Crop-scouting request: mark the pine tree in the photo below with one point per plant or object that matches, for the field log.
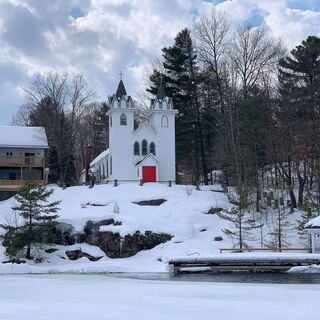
(242, 225)
(39, 219)
(181, 77)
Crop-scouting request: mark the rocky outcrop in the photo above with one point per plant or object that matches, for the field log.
(116, 247)
(112, 244)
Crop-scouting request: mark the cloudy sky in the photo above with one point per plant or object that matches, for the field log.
(100, 38)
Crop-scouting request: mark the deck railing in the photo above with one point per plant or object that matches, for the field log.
(12, 161)
(14, 185)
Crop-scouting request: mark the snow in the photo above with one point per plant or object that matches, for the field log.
(82, 297)
(102, 155)
(253, 256)
(183, 215)
(314, 223)
(23, 137)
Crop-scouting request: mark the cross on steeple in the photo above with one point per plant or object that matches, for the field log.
(121, 74)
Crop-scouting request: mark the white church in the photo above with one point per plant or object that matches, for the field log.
(144, 153)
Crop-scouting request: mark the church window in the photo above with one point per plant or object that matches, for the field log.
(153, 148)
(144, 147)
(110, 121)
(123, 120)
(164, 121)
(110, 165)
(136, 149)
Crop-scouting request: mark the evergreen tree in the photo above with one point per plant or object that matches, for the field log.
(180, 76)
(298, 111)
(242, 225)
(39, 219)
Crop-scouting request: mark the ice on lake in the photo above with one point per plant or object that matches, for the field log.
(64, 296)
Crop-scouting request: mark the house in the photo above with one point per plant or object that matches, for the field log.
(144, 153)
(22, 157)
(313, 232)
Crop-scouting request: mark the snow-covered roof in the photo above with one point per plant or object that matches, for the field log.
(313, 223)
(23, 137)
(102, 155)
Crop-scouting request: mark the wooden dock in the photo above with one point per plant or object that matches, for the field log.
(243, 262)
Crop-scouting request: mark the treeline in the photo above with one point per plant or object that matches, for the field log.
(65, 106)
(246, 106)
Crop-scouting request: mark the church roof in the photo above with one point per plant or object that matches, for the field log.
(161, 93)
(147, 125)
(150, 155)
(121, 91)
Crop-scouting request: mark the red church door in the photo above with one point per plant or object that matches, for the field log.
(149, 174)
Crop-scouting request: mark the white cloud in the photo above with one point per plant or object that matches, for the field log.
(106, 36)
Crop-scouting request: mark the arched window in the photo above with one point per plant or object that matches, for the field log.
(123, 120)
(153, 148)
(144, 147)
(164, 121)
(136, 149)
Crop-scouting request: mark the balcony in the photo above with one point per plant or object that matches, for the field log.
(14, 185)
(11, 161)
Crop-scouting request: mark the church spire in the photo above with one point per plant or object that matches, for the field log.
(161, 93)
(121, 91)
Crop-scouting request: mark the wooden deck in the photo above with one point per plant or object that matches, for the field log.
(14, 185)
(243, 262)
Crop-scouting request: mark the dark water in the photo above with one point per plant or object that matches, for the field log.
(232, 277)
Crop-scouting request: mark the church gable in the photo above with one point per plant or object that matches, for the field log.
(145, 126)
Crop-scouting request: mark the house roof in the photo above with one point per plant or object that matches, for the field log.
(102, 155)
(23, 137)
(150, 155)
(313, 223)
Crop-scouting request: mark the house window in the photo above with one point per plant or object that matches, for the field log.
(136, 149)
(123, 120)
(164, 121)
(153, 148)
(144, 147)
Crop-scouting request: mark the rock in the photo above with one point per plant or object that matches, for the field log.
(131, 244)
(17, 261)
(155, 202)
(219, 238)
(214, 210)
(63, 234)
(77, 254)
(51, 250)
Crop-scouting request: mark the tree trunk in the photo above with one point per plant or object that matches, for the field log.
(28, 254)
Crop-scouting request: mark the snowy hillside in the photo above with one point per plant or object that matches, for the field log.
(184, 215)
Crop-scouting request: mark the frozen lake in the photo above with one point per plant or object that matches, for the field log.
(63, 297)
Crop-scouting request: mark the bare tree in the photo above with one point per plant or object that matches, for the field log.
(254, 54)
(58, 102)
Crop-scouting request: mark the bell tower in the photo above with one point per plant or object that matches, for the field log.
(121, 126)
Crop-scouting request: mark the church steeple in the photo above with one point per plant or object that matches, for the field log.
(121, 91)
(161, 93)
